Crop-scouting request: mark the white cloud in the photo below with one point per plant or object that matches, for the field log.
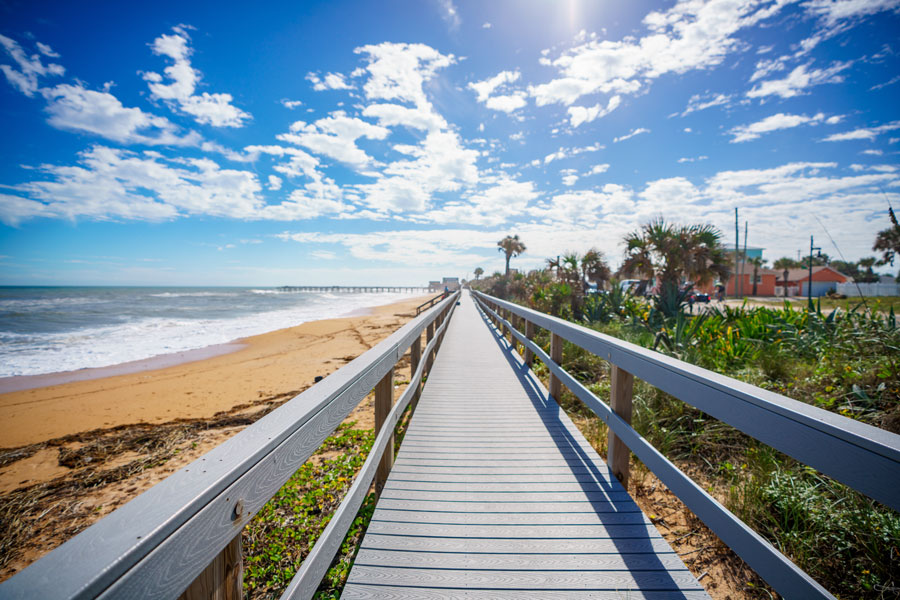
(486, 25)
(798, 80)
(687, 159)
(871, 152)
(582, 114)
(412, 247)
(30, 68)
(879, 86)
(74, 108)
(863, 133)
(390, 115)
(564, 152)
(323, 254)
(399, 71)
(688, 36)
(274, 183)
(331, 81)
(597, 169)
(206, 108)
(510, 101)
(745, 133)
(335, 136)
(118, 184)
(764, 68)
(833, 12)
(291, 104)
(698, 102)
(631, 134)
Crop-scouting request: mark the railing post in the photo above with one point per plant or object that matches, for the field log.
(415, 357)
(505, 314)
(556, 349)
(529, 333)
(384, 400)
(223, 579)
(429, 335)
(620, 393)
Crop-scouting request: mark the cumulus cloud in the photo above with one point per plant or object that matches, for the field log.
(798, 81)
(582, 114)
(291, 104)
(331, 81)
(745, 133)
(75, 108)
(335, 136)
(688, 36)
(207, 109)
(507, 102)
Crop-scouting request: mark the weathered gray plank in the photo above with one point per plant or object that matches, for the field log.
(566, 562)
(536, 579)
(514, 518)
(392, 592)
(518, 546)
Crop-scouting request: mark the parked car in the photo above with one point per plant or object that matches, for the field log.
(700, 298)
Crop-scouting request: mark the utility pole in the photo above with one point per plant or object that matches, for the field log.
(809, 283)
(737, 245)
(744, 261)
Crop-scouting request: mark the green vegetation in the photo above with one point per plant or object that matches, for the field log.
(845, 360)
(277, 540)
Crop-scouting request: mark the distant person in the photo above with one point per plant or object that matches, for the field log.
(720, 293)
(446, 291)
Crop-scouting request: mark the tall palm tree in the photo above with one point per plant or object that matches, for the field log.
(785, 264)
(478, 272)
(757, 262)
(867, 263)
(512, 246)
(673, 254)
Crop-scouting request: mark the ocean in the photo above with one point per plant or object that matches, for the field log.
(52, 329)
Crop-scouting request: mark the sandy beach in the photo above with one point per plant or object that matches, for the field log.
(86, 443)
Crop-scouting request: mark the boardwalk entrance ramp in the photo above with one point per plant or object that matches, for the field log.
(496, 494)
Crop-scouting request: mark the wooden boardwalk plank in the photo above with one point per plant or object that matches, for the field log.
(496, 494)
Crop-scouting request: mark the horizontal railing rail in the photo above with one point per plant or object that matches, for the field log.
(156, 545)
(428, 303)
(861, 456)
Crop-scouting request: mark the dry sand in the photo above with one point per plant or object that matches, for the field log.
(278, 364)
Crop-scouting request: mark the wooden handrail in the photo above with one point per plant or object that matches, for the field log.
(861, 456)
(158, 543)
(429, 303)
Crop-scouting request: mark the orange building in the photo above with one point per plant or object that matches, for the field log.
(765, 281)
(824, 280)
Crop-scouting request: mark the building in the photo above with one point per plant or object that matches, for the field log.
(824, 280)
(435, 286)
(752, 251)
(451, 283)
(765, 281)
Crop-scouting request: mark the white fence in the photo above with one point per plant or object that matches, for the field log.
(868, 289)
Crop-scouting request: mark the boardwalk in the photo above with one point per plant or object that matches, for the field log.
(496, 494)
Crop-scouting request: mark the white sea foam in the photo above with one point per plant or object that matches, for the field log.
(141, 338)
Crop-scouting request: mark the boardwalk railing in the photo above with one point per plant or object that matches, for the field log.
(428, 304)
(169, 540)
(861, 456)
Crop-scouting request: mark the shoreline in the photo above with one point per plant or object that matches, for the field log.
(19, 383)
(191, 384)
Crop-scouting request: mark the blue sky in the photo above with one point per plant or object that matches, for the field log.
(395, 142)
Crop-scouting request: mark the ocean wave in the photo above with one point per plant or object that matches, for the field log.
(193, 294)
(138, 338)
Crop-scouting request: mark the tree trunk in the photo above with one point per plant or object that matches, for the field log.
(755, 271)
(508, 256)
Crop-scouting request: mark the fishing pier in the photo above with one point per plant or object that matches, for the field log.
(493, 493)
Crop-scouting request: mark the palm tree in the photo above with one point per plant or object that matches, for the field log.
(888, 240)
(867, 263)
(673, 254)
(594, 268)
(512, 246)
(478, 272)
(785, 264)
(757, 262)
